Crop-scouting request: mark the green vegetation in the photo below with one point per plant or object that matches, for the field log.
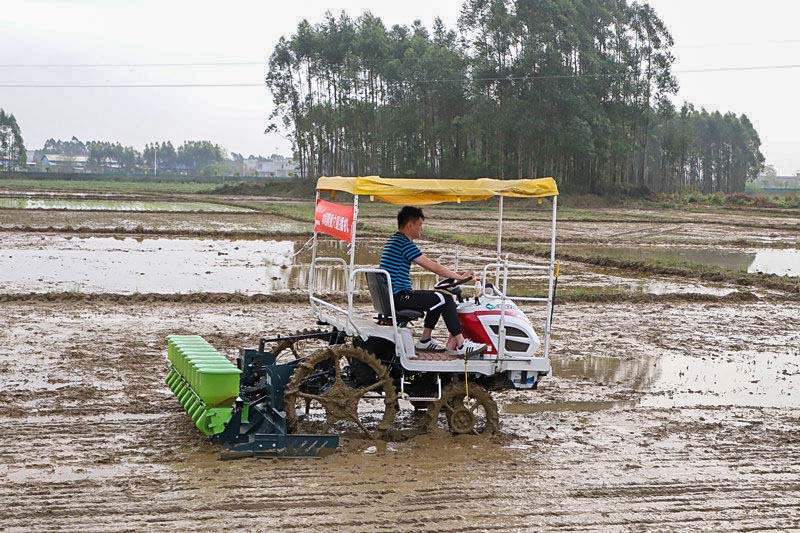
(790, 201)
(12, 147)
(106, 186)
(292, 188)
(572, 89)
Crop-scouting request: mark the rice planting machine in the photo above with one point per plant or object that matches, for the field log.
(295, 394)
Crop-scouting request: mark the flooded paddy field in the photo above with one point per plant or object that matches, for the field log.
(615, 440)
(673, 415)
(123, 264)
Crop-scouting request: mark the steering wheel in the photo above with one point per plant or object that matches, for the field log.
(450, 283)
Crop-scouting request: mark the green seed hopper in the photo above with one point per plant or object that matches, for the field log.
(239, 406)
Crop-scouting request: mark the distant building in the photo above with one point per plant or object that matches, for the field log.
(779, 182)
(269, 167)
(64, 163)
(32, 158)
(107, 164)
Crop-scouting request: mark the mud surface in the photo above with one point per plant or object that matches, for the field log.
(169, 222)
(92, 438)
(676, 409)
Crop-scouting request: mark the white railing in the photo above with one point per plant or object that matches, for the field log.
(399, 347)
(312, 282)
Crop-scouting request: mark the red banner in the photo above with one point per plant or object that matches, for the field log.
(334, 219)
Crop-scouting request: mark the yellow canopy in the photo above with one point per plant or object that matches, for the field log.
(427, 191)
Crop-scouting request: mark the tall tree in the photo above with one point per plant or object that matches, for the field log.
(12, 147)
(576, 89)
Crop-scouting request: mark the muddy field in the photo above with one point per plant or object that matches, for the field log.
(667, 415)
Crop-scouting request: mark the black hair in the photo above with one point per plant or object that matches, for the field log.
(407, 214)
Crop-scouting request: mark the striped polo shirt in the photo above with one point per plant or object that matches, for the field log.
(396, 258)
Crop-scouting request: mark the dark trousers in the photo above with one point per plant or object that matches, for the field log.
(434, 304)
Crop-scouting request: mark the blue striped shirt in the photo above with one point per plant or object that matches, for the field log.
(396, 258)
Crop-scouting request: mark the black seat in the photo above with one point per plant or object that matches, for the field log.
(379, 291)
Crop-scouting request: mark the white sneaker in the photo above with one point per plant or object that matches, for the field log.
(468, 349)
(428, 346)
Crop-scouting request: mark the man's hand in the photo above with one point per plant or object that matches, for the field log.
(441, 270)
(465, 274)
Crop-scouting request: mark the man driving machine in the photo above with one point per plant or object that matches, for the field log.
(398, 254)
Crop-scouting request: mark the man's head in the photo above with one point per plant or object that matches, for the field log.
(409, 221)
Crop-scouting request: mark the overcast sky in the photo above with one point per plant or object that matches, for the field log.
(708, 34)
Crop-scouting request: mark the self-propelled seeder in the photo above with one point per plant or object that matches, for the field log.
(363, 364)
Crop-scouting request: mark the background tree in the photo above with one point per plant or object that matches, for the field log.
(576, 89)
(12, 146)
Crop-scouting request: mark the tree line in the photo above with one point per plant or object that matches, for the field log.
(189, 156)
(576, 89)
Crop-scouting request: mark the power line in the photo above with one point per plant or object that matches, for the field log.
(43, 85)
(261, 63)
(131, 65)
(123, 85)
(722, 45)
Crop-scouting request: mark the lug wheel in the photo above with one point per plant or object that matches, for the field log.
(476, 414)
(332, 396)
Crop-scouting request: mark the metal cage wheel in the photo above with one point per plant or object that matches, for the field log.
(476, 414)
(325, 379)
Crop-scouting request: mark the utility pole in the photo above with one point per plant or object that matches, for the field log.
(155, 159)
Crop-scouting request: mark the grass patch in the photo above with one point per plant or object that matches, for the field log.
(738, 199)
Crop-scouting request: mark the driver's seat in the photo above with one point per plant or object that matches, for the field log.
(379, 291)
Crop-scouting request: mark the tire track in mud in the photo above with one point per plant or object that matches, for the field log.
(94, 452)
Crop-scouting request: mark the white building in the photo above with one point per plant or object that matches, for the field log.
(64, 163)
(270, 167)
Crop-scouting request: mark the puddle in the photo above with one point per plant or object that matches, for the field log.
(765, 261)
(124, 265)
(588, 407)
(116, 205)
(780, 262)
(675, 380)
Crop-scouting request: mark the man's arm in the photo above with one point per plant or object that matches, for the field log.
(440, 270)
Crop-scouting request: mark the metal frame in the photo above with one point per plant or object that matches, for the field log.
(501, 265)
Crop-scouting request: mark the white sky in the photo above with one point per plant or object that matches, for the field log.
(708, 34)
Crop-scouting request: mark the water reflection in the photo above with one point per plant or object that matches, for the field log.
(676, 380)
(767, 261)
(780, 262)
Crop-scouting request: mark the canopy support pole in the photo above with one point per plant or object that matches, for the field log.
(351, 282)
(499, 244)
(552, 275)
(312, 271)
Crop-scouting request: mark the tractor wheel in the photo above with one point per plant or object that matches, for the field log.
(325, 381)
(476, 414)
(289, 350)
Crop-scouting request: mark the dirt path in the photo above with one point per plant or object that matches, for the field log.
(91, 438)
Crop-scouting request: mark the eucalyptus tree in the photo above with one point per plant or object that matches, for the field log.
(12, 146)
(576, 89)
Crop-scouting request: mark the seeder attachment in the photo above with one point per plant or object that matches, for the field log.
(204, 381)
(239, 406)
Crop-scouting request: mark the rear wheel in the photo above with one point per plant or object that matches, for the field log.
(334, 399)
(465, 410)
